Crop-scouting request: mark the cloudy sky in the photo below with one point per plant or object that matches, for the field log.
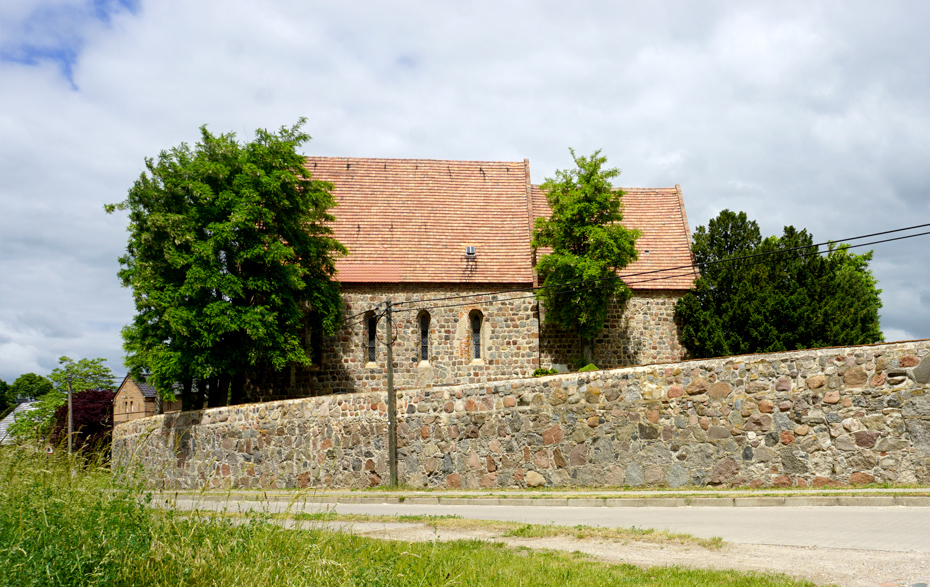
(810, 114)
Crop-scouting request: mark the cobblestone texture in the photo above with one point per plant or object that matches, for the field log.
(643, 331)
(823, 417)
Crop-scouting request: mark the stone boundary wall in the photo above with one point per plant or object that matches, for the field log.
(804, 418)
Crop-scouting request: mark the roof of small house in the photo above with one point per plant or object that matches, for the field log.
(7, 421)
(410, 220)
(147, 391)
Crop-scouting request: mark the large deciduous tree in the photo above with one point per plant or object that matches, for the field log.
(589, 245)
(791, 299)
(230, 259)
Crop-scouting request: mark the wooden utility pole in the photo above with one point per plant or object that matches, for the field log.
(392, 398)
(70, 417)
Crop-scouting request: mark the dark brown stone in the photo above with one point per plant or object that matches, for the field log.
(758, 423)
(855, 377)
(866, 438)
(552, 435)
(816, 382)
(719, 390)
(825, 482)
(578, 456)
(454, 481)
(782, 481)
(725, 471)
(861, 478)
(492, 466)
(766, 406)
(697, 386)
(558, 459)
(908, 361)
(787, 437)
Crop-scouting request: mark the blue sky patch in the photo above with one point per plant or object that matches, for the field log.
(55, 33)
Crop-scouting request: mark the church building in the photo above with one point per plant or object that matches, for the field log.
(449, 243)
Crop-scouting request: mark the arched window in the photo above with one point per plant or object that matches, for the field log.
(475, 319)
(371, 322)
(423, 321)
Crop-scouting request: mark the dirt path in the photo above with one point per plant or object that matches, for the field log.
(825, 566)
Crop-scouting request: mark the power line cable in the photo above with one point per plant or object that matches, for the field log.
(689, 273)
(691, 267)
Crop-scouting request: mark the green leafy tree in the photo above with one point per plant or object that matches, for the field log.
(588, 245)
(29, 386)
(231, 260)
(790, 299)
(6, 401)
(84, 375)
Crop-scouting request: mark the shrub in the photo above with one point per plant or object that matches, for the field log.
(543, 372)
(588, 367)
(93, 420)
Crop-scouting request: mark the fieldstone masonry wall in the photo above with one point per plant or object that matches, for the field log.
(513, 345)
(805, 418)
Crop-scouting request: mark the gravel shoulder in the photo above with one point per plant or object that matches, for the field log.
(824, 566)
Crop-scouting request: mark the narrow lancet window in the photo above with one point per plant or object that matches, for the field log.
(424, 336)
(372, 323)
(476, 319)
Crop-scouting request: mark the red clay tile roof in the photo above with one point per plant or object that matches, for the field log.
(665, 242)
(409, 220)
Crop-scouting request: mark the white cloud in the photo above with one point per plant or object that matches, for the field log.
(796, 113)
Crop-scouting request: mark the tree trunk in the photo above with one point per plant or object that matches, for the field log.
(188, 398)
(219, 390)
(237, 389)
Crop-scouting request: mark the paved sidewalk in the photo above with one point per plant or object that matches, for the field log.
(846, 497)
(901, 529)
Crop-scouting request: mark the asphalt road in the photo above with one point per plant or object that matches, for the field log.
(901, 529)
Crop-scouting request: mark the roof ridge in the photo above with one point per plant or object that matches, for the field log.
(407, 159)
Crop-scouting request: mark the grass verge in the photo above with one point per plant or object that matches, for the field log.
(521, 530)
(65, 523)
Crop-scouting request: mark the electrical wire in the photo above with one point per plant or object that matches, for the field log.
(690, 271)
(727, 260)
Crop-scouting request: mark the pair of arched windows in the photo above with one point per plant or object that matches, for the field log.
(475, 322)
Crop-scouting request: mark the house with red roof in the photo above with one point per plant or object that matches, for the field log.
(449, 243)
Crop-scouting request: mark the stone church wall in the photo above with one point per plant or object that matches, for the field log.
(644, 331)
(804, 418)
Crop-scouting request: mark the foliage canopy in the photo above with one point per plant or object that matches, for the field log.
(230, 260)
(84, 374)
(791, 300)
(588, 245)
(29, 386)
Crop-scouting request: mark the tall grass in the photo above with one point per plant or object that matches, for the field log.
(63, 522)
